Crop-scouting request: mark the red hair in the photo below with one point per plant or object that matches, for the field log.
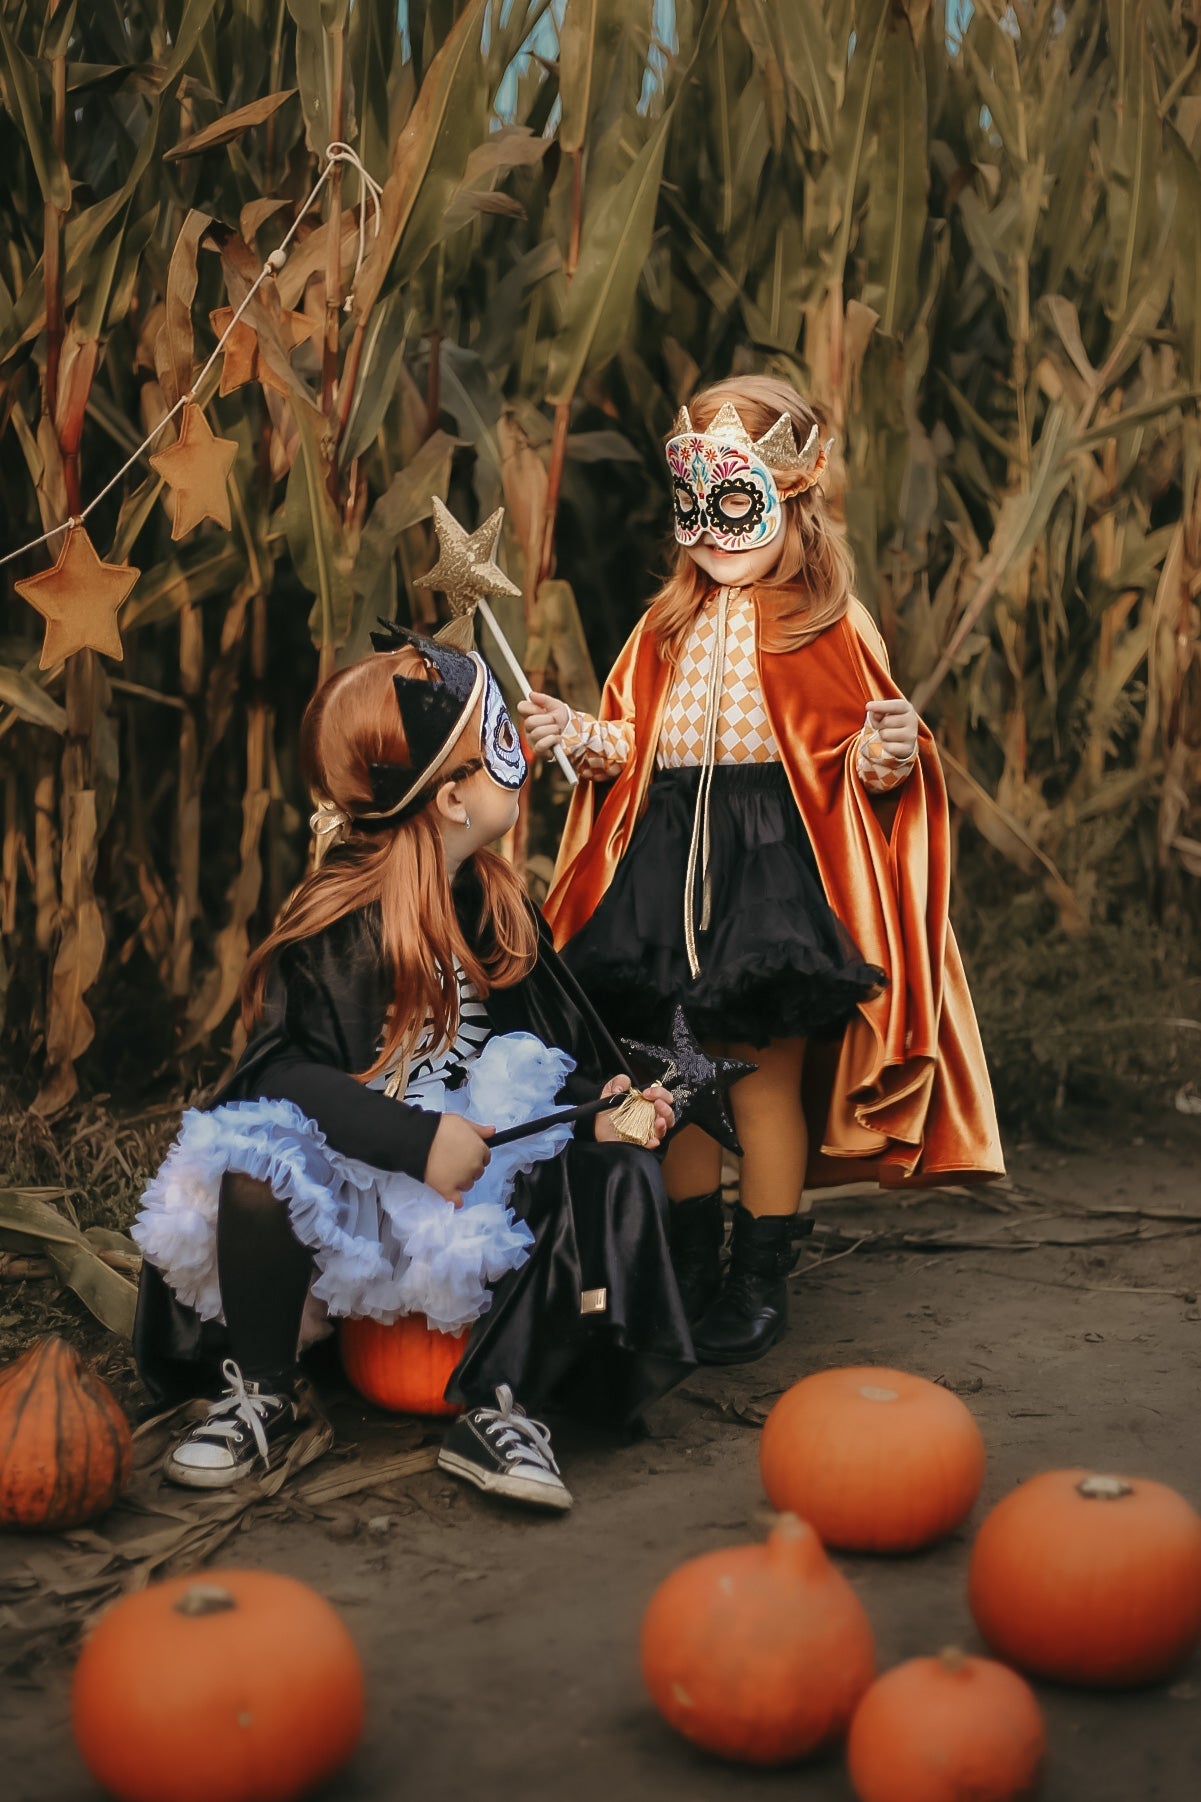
(810, 586)
(350, 723)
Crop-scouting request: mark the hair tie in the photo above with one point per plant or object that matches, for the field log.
(330, 826)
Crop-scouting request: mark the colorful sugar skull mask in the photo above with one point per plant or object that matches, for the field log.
(500, 743)
(722, 481)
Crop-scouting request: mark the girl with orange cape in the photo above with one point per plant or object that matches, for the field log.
(773, 850)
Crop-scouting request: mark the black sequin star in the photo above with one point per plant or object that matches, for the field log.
(699, 1084)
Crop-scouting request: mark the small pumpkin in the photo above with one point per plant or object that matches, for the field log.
(65, 1447)
(404, 1366)
(876, 1459)
(1089, 1579)
(760, 1652)
(947, 1729)
(235, 1686)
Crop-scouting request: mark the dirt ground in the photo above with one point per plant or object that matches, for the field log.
(501, 1651)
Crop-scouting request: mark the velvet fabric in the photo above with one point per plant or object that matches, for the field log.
(905, 1096)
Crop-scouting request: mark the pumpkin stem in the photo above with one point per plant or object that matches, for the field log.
(871, 1392)
(204, 1598)
(1104, 1489)
(794, 1545)
(952, 1659)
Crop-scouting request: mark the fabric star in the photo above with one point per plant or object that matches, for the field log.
(196, 468)
(466, 571)
(243, 360)
(699, 1084)
(79, 600)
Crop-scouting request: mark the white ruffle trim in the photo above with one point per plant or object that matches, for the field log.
(384, 1244)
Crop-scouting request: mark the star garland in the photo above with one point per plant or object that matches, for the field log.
(80, 595)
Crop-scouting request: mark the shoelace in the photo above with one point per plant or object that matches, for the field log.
(521, 1439)
(241, 1408)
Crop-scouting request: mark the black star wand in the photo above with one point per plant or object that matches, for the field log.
(697, 1083)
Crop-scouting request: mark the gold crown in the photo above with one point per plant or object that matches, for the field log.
(777, 447)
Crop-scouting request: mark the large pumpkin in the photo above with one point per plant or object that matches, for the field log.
(758, 1653)
(947, 1729)
(1089, 1579)
(876, 1460)
(65, 1447)
(405, 1366)
(231, 1686)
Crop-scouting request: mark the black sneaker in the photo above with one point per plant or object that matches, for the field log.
(503, 1452)
(249, 1425)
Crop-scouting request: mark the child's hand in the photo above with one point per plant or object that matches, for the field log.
(665, 1119)
(545, 721)
(896, 722)
(458, 1157)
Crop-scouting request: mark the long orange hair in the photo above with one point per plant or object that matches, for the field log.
(811, 584)
(350, 723)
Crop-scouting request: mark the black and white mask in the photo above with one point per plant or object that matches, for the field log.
(500, 743)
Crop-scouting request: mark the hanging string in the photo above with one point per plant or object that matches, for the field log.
(368, 187)
(336, 153)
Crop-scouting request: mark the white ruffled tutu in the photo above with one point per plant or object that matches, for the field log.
(383, 1243)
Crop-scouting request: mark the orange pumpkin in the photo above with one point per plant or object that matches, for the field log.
(65, 1448)
(947, 1729)
(758, 1653)
(876, 1460)
(234, 1686)
(405, 1366)
(1089, 1579)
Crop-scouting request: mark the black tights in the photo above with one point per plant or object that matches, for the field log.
(264, 1273)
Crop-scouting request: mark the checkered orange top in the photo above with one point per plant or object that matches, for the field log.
(599, 748)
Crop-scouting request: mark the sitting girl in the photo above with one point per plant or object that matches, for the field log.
(764, 836)
(407, 1005)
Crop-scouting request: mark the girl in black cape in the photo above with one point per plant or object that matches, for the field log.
(407, 1005)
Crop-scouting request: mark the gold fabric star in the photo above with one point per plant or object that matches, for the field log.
(243, 361)
(466, 570)
(79, 599)
(196, 468)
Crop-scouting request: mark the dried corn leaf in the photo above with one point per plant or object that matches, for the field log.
(229, 126)
(85, 1263)
(70, 1027)
(30, 700)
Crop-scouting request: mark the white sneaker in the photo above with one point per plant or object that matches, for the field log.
(503, 1452)
(245, 1427)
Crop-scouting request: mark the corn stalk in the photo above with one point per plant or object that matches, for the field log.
(979, 253)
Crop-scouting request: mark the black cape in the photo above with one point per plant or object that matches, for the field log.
(599, 1213)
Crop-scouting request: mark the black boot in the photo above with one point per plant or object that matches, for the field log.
(698, 1227)
(752, 1310)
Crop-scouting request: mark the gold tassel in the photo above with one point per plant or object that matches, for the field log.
(634, 1120)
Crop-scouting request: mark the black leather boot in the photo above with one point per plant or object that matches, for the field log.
(751, 1312)
(698, 1227)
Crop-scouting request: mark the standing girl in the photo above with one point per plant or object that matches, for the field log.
(773, 850)
(407, 1004)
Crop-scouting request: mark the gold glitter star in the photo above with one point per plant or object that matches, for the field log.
(196, 468)
(79, 599)
(466, 571)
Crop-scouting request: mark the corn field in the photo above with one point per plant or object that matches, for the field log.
(971, 234)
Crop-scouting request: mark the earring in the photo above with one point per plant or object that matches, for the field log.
(467, 821)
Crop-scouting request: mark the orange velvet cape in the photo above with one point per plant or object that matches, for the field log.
(904, 1097)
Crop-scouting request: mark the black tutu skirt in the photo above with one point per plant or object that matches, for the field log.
(775, 961)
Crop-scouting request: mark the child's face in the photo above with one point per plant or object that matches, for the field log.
(491, 796)
(735, 569)
(491, 809)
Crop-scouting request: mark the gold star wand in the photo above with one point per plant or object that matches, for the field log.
(467, 573)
